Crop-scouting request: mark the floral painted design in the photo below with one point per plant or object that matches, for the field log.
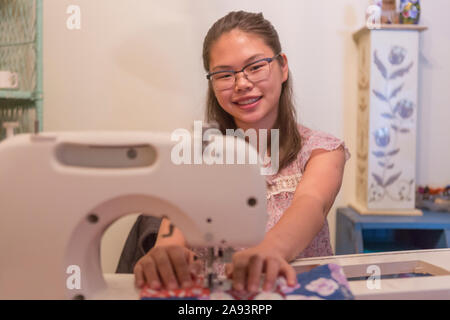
(397, 55)
(404, 109)
(398, 115)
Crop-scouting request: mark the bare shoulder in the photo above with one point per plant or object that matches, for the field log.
(326, 157)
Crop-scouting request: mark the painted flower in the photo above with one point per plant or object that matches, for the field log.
(382, 137)
(404, 108)
(397, 55)
(322, 286)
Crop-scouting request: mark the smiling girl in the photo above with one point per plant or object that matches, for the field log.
(249, 87)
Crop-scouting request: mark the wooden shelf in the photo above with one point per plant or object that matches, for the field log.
(404, 27)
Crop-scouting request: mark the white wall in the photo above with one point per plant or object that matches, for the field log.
(136, 65)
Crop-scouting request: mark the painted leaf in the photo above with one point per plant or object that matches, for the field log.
(390, 166)
(379, 65)
(404, 130)
(378, 179)
(396, 91)
(387, 116)
(379, 95)
(401, 72)
(393, 152)
(392, 179)
(382, 164)
(378, 154)
(394, 127)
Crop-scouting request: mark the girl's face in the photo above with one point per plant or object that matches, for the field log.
(233, 51)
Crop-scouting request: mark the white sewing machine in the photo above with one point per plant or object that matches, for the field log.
(60, 191)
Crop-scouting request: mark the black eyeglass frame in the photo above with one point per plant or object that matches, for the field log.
(269, 60)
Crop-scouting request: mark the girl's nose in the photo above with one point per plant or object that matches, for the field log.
(242, 83)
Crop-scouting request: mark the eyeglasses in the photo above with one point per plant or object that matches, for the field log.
(254, 72)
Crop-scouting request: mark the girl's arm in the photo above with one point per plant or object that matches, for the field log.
(300, 223)
(176, 238)
(313, 198)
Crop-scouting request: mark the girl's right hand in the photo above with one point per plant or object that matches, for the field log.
(166, 266)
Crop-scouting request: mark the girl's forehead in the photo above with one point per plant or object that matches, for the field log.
(236, 47)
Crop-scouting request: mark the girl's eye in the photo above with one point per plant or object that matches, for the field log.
(256, 67)
(222, 76)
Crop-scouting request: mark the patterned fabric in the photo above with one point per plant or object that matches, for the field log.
(326, 282)
(281, 188)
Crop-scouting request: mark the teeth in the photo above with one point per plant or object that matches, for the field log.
(248, 101)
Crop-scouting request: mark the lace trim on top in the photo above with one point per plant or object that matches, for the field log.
(283, 184)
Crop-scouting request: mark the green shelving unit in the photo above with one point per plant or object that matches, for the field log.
(21, 53)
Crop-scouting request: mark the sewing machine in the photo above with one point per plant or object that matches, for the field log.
(60, 191)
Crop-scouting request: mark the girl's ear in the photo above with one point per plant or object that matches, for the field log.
(284, 67)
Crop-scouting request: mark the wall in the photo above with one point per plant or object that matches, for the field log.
(136, 65)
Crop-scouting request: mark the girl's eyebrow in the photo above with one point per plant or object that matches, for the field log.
(253, 57)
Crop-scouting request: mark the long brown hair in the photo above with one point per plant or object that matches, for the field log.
(255, 23)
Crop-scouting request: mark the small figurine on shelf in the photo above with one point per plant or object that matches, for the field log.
(409, 11)
(435, 199)
(389, 12)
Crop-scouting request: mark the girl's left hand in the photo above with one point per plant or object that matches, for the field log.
(248, 266)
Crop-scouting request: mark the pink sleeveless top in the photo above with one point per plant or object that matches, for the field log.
(281, 188)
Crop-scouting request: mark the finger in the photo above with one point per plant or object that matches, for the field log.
(196, 267)
(239, 274)
(272, 270)
(255, 266)
(150, 273)
(179, 261)
(289, 273)
(164, 267)
(139, 279)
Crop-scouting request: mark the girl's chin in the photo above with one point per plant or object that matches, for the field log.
(249, 118)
